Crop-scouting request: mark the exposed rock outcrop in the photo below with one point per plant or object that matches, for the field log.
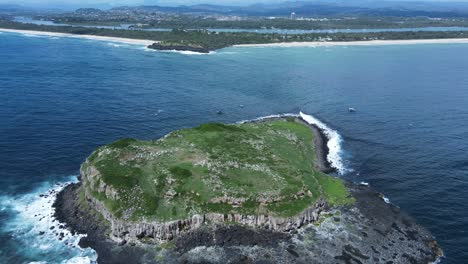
(370, 231)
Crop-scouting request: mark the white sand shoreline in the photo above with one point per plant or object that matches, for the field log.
(147, 42)
(360, 43)
(144, 42)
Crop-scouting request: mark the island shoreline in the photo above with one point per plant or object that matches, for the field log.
(370, 204)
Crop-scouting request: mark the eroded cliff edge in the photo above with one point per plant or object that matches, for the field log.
(135, 231)
(367, 231)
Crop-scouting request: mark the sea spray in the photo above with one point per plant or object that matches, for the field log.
(333, 144)
(267, 117)
(32, 225)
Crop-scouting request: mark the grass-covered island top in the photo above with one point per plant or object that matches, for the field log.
(256, 168)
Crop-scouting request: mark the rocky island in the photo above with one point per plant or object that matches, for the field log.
(254, 192)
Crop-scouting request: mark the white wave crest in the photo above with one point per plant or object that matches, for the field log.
(267, 117)
(186, 52)
(364, 183)
(28, 35)
(33, 225)
(114, 45)
(386, 200)
(333, 144)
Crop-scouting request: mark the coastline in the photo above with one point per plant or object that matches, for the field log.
(145, 42)
(358, 43)
(148, 43)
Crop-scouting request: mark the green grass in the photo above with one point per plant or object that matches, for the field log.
(191, 171)
(334, 191)
(291, 208)
(122, 143)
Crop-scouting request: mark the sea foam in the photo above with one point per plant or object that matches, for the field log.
(28, 35)
(267, 117)
(32, 225)
(183, 52)
(186, 52)
(114, 45)
(333, 144)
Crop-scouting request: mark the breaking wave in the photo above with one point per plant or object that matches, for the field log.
(179, 51)
(333, 144)
(29, 35)
(32, 225)
(267, 117)
(185, 52)
(114, 45)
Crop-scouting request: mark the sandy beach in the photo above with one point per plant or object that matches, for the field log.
(147, 42)
(144, 42)
(360, 43)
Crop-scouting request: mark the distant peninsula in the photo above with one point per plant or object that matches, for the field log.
(204, 41)
(253, 192)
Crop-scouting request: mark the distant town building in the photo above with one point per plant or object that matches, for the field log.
(293, 16)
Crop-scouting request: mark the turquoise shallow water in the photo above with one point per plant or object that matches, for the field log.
(61, 98)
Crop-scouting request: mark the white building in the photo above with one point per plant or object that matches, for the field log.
(293, 16)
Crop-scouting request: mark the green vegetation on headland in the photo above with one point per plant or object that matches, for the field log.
(262, 168)
(209, 41)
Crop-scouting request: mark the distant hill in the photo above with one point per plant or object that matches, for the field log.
(322, 8)
(301, 8)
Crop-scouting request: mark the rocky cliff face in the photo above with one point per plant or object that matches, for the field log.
(122, 230)
(369, 231)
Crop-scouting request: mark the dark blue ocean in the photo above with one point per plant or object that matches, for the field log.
(60, 98)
